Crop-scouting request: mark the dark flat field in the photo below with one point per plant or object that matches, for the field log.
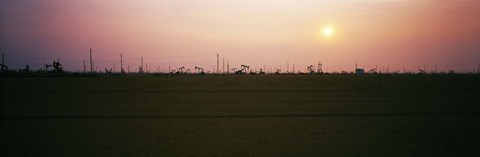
(287, 115)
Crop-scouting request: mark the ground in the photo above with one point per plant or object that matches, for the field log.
(287, 115)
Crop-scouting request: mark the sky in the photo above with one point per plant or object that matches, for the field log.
(270, 33)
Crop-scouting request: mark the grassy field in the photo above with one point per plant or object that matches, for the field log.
(335, 115)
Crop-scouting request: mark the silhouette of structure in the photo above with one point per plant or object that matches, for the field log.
(122, 71)
(244, 69)
(319, 68)
(278, 71)
(218, 69)
(55, 67)
(3, 67)
(27, 69)
(91, 61)
(199, 70)
(310, 69)
(180, 70)
(140, 69)
(359, 71)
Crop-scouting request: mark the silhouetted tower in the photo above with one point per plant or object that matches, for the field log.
(121, 64)
(288, 67)
(141, 70)
(91, 61)
(3, 67)
(319, 68)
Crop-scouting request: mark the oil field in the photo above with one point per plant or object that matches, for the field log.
(241, 115)
(334, 78)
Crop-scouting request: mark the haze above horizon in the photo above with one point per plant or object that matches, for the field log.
(190, 33)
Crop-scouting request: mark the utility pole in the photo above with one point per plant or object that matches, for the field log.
(84, 67)
(121, 64)
(141, 67)
(91, 61)
(288, 68)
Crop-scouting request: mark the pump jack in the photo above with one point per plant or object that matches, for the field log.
(180, 70)
(243, 70)
(261, 72)
(310, 69)
(57, 67)
(199, 70)
(278, 71)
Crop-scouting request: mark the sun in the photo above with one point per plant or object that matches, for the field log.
(327, 31)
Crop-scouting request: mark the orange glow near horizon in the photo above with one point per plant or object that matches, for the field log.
(253, 32)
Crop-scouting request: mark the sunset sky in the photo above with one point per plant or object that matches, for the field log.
(190, 33)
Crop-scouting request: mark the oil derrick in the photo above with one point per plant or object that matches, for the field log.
(199, 70)
(319, 68)
(140, 69)
(288, 64)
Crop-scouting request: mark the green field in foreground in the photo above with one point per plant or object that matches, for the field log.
(287, 115)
